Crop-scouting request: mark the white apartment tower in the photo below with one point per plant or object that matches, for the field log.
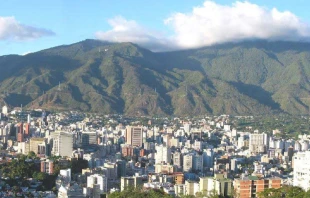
(163, 154)
(302, 170)
(258, 142)
(62, 144)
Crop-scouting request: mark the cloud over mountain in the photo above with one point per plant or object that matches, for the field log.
(130, 31)
(212, 23)
(11, 29)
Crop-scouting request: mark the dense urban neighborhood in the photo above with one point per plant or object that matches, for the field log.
(74, 154)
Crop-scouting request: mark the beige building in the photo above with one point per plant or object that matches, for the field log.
(34, 145)
(134, 136)
(165, 168)
(179, 189)
(191, 188)
(218, 183)
(258, 142)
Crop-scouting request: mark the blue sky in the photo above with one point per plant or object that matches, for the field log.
(42, 24)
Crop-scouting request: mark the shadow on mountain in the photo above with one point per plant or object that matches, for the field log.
(179, 60)
(16, 100)
(274, 46)
(257, 93)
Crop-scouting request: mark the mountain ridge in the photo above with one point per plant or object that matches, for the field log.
(252, 77)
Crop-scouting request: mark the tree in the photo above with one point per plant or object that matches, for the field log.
(39, 176)
(32, 155)
(139, 193)
(285, 191)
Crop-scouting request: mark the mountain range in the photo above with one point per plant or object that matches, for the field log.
(245, 78)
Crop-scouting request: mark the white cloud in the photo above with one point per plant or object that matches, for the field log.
(26, 53)
(11, 29)
(212, 23)
(130, 31)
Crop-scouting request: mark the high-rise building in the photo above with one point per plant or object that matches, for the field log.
(98, 184)
(163, 154)
(258, 142)
(62, 143)
(134, 136)
(121, 168)
(301, 161)
(26, 129)
(177, 159)
(197, 162)
(89, 138)
(208, 158)
(20, 132)
(188, 162)
(4, 134)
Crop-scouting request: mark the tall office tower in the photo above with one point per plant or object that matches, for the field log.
(20, 132)
(62, 143)
(163, 154)
(258, 142)
(301, 170)
(134, 136)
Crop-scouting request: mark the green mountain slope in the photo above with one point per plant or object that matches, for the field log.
(255, 77)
